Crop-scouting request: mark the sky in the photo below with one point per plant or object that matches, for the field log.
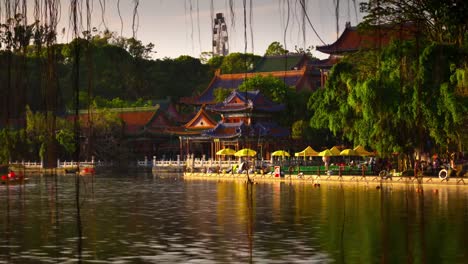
(176, 28)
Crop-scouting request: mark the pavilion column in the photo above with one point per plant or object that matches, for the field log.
(212, 150)
(187, 146)
(181, 147)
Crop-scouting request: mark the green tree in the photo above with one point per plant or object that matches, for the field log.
(407, 102)
(66, 138)
(239, 62)
(206, 56)
(442, 21)
(107, 137)
(221, 93)
(136, 48)
(272, 87)
(275, 48)
(215, 62)
(308, 51)
(297, 129)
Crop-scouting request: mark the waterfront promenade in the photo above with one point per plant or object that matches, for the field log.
(373, 180)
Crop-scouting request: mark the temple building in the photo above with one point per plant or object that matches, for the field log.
(294, 70)
(246, 121)
(353, 40)
(142, 129)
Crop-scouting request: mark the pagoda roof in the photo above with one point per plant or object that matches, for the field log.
(138, 120)
(239, 101)
(353, 39)
(159, 119)
(271, 129)
(133, 118)
(226, 130)
(202, 120)
(233, 130)
(294, 78)
(171, 112)
(135, 121)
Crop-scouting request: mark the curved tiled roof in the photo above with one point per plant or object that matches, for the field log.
(226, 130)
(250, 100)
(232, 130)
(201, 120)
(352, 39)
(137, 120)
(232, 81)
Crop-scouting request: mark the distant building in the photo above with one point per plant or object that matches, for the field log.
(246, 120)
(144, 129)
(353, 40)
(294, 70)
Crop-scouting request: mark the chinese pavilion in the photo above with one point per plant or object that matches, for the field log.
(353, 40)
(246, 120)
(294, 69)
(144, 129)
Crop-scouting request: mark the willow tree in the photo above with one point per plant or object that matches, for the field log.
(379, 106)
(440, 21)
(402, 97)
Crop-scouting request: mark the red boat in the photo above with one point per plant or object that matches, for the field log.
(10, 177)
(87, 171)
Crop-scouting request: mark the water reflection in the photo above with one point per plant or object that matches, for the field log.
(166, 219)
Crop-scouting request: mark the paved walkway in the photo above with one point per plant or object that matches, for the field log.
(334, 178)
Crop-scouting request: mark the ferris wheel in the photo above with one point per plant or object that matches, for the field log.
(220, 36)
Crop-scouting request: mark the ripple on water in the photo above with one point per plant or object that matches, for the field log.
(154, 220)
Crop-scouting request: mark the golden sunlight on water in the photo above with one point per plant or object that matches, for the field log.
(166, 219)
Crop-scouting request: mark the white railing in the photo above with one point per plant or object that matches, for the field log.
(62, 164)
(144, 163)
(28, 164)
(92, 163)
(189, 163)
(73, 164)
(200, 163)
(168, 163)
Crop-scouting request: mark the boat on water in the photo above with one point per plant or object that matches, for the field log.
(87, 171)
(10, 177)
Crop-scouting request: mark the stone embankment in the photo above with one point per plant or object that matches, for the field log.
(315, 179)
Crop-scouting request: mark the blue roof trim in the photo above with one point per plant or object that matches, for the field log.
(208, 96)
(240, 128)
(262, 129)
(251, 100)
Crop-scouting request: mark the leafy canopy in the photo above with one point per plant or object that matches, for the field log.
(272, 87)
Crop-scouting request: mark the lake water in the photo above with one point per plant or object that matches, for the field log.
(146, 218)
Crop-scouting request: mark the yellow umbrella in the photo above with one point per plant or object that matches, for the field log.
(306, 152)
(280, 153)
(348, 152)
(245, 152)
(226, 152)
(335, 151)
(326, 153)
(361, 151)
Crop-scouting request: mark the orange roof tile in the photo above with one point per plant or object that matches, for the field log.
(353, 39)
(201, 121)
(232, 81)
(136, 118)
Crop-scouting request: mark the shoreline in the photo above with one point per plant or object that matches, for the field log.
(315, 179)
